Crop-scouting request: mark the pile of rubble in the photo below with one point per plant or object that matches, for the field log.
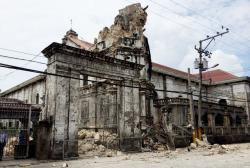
(212, 149)
(97, 143)
(9, 147)
(157, 140)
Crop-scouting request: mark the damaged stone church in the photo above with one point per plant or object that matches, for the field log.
(113, 85)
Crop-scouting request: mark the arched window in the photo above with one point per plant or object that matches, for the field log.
(223, 102)
(37, 98)
(219, 120)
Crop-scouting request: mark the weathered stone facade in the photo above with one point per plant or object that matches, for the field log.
(113, 85)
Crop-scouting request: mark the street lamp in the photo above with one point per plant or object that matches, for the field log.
(214, 66)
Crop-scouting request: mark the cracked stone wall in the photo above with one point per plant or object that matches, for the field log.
(235, 94)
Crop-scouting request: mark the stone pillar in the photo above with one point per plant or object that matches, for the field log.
(211, 119)
(226, 121)
(148, 113)
(62, 107)
(71, 147)
(143, 107)
(113, 107)
(129, 117)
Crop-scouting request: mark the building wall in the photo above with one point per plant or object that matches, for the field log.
(158, 81)
(32, 94)
(28, 94)
(171, 84)
(237, 94)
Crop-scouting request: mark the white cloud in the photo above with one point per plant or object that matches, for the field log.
(227, 62)
(32, 25)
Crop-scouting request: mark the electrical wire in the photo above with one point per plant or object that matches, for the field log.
(38, 62)
(207, 27)
(8, 74)
(106, 82)
(22, 59)
(205, 17)
(157, 82)
(18, 51)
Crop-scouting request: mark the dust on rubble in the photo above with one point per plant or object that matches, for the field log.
(9, 147)
(105, 143)
(203, 146)
(101, 143)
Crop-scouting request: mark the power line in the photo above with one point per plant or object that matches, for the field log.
(31, 60)
(212, 20)
(207, 27)
(169, 19)
(106, 82)
(173, 11)
(22, 59)
(192, 28)
(21, 52)
(70, 77)
(6, 75)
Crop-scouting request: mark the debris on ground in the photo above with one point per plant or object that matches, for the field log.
(201, 143)
(9, 147)
(65, 165)
(193, 146)
(24, 165)
(212, 149)
(93, 143)
(157, 139)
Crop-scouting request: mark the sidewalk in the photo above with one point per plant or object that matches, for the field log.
(21, 162)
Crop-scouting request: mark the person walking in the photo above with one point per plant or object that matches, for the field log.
(3, 141)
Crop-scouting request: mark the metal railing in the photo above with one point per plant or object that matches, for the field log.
(223, 130)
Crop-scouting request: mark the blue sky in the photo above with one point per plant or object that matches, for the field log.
(173, 28)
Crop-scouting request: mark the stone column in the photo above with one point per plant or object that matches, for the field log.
(129, 117)
(148, 113)
(62, 108)
(211, 119)
(113, 113)
(72, 129)
(226, 122)
(143, 114)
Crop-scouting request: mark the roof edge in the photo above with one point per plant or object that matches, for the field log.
(238, 79)
(24, 84)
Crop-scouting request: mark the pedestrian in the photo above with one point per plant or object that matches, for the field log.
(3, 141)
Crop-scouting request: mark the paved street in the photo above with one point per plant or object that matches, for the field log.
(165, 159)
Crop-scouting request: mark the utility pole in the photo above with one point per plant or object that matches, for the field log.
(202, 64)
(191, 106)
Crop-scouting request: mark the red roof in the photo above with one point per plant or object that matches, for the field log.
(169, 70)
(214, 75)
(217, 75)
(82, 44)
